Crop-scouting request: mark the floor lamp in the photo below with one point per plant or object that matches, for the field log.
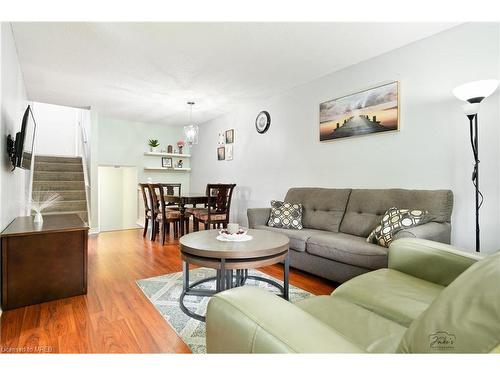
(473, 93)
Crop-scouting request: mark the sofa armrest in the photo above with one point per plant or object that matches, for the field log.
(258, 216)
(428, 260)
(440, 232)
(252, 320)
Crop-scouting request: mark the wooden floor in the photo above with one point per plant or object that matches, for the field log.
(114, 317)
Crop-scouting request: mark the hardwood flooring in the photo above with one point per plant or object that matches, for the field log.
(115, 316)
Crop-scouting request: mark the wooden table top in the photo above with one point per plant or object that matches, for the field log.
(51, 223)
(263, 244)
(189, 198)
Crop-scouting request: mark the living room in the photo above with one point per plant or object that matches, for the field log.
(243, 187)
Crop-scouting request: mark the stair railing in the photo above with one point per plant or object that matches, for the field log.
(83, 145)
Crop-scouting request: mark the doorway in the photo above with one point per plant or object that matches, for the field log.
(117, 198)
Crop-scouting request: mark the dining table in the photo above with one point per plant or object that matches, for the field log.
(186, 199)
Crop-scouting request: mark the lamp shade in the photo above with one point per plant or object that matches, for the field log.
(191, 134)
(475, 92)
(470, 109)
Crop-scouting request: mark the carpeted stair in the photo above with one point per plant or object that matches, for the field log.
(62, 175)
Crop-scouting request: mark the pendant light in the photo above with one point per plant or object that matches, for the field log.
(191, 130)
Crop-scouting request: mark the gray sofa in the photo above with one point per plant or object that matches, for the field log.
(337, 222)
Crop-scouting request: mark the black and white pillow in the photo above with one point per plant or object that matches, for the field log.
(285, 215)
(395, 220)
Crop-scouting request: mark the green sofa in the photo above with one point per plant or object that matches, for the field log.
(432, 298)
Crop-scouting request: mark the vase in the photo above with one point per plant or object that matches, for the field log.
(180, 149)
(38, 218)
(170, 149)
(153, 149)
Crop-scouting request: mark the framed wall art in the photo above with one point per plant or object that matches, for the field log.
(166, 162)
(221, 153)
(371, 111)
(230, 136)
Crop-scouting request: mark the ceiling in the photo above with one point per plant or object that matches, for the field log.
(147, 72)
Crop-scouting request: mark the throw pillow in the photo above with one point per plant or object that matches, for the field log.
(285, 215)
(395, 220)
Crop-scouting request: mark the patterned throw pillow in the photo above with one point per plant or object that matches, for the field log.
(395, 220)
(285, 215)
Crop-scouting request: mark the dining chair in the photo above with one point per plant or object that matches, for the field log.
(172, 189)
(162, 215)
(216, 213)
(148, 209)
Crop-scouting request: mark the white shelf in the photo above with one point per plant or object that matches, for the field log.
(167, 169)
(167, 154)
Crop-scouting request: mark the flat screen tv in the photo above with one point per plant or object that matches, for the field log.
(20, 149)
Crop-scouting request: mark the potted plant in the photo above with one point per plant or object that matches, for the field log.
(153, 144)
(180, 145)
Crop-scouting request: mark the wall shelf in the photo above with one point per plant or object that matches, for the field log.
(167, 154)
(167, 169)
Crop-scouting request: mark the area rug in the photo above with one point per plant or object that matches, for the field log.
(164, 292)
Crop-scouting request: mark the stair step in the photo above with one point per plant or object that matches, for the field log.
(58, 167)
(57, 176)
(72, 195)
(82, 214)
(58, 185)
(66, 205)
(58, 159)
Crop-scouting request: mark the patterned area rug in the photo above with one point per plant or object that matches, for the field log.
(164, 292)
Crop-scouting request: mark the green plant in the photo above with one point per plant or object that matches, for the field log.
(153, 143)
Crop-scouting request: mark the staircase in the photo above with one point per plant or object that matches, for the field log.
(64, 176)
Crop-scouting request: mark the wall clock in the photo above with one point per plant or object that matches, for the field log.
(262, 122)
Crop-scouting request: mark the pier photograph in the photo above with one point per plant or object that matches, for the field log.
(370, 111)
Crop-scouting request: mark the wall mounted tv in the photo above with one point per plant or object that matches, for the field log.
(20, 149)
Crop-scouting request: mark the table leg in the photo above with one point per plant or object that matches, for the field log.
(182, 211)
(222, 274)
(217, 281)
(185, 276)
(286, 267)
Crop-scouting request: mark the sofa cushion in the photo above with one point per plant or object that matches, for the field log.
(297, 238)
(285, 215)
(322, 208)
(376, 334)
(465, 318)
(347, 248)
(367, 206)
(392, 294)
(394, 221)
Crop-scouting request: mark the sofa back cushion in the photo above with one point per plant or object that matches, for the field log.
(366, 207)
(464, 318)
(322, 208)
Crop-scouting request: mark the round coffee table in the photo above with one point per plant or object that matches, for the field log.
(231, 260)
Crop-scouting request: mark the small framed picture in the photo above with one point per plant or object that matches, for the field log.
(221, 153)
(229, 152)
(229, 136)
(166, 162)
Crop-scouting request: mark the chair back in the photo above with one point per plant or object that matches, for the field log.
(172, 189)
(219, 198)
(146, 196)
(157, 197)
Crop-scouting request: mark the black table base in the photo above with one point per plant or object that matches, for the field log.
(225, 279)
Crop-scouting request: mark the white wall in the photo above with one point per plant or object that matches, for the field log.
(122, 143)
(57, 129)
(13, 101)
(431, 151)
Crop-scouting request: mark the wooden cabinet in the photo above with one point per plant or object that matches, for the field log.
(44, 262)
